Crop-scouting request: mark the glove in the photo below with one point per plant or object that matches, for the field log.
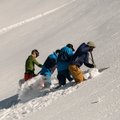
(40, 65)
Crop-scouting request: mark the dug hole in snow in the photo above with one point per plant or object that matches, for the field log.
(35, 87)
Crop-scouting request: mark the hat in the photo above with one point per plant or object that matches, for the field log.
(70, 46)
(91, 44)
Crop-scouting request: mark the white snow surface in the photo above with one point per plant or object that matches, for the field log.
(36, 86)
(48, 25)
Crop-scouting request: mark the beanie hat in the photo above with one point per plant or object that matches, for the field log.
(91, 44)
(57, 51)
(70, 46)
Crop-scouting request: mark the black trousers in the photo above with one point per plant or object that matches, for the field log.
(62, 76)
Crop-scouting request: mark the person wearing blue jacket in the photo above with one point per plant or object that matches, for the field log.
(49, 67)
(81, 57)
(62, 65)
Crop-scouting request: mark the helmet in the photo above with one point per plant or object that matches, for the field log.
(70, 46)
(36, 52)
(91, 44)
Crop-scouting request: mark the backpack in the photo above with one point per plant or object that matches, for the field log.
(63, 56)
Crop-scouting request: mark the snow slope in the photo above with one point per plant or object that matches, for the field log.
(58, 23)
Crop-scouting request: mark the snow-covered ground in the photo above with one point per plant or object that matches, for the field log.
(50, 24)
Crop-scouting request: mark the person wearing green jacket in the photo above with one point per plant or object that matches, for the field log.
(30, 65)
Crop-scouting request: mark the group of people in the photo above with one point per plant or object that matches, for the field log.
(66, 60)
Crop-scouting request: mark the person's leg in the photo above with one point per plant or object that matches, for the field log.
(66, 73)
(47, 81)
(76, 73)
(28, 76)
(61, 78)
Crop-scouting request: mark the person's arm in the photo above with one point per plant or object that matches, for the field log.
(86, 61)
(37, 63)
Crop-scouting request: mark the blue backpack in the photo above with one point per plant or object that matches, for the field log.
(65, 55)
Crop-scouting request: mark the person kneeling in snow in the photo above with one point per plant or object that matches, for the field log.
(30, 65)
(81, 57)
(49, 67)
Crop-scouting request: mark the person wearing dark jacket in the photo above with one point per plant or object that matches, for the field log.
(81, 57)
(64, 58)
(49, 67)
(30, 65)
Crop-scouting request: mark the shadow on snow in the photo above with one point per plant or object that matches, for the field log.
(8, 102)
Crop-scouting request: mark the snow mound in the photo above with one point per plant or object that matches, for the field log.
(33, 97)
(91, 73)
(24, 108)
(31, 88)
(35, 87)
